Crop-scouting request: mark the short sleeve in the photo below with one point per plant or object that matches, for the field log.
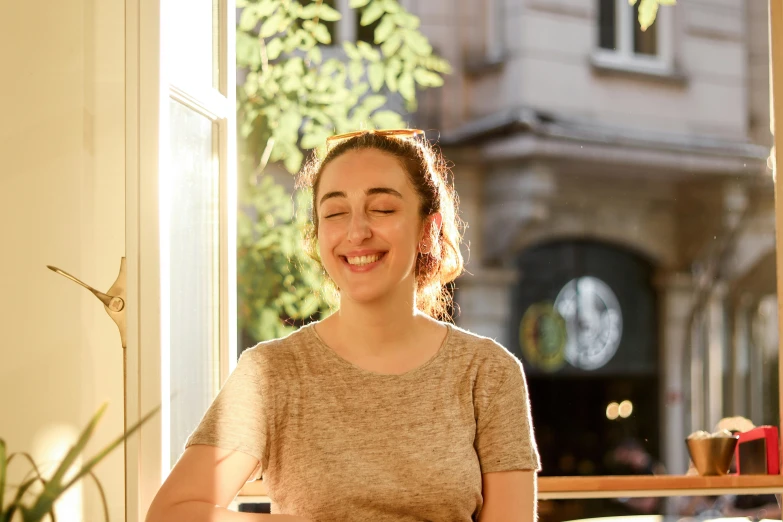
(236, 419)
(504, 430)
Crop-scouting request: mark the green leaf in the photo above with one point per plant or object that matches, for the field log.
(3, 465)
(427, 78)
(291, 83)
(249, 18)
(316, 139)
(271, 25)
(418, 42)
(391, 6)
(273, 48)
(309, 11)
(356, 4)
(390, 46)
(384, 29)
(648, 9)
(328, 13)
(407, 20)
(372, 102)
(293, 161)
(387, 120)
(372, 12)
(406, 86)
(267, 7)
(315, 55)
(355, 71)
(368, 51)
(54, 489)
(321, 33)
(391, 79)
(78, 447)
(248, 51)
(352, 51)
(376, 75)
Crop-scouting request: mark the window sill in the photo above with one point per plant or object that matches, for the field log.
(614, 486)
(608, 65)
(656, 486)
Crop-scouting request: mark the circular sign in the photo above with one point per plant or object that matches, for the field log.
(542, 336)
(593, 321)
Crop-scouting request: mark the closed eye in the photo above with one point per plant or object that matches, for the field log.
(334, 215)
(384, 211)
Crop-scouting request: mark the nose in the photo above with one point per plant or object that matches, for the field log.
(358, 228)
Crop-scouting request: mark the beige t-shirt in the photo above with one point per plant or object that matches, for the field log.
(336, 442)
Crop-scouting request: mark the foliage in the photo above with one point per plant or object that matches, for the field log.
(276, 280)
(648, 10)
(34, 508)
(298, 90)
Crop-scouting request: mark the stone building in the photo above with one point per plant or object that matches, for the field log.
(620, 210)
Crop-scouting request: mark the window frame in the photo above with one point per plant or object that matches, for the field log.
(148, 91)
(623, 57)
(550, 488)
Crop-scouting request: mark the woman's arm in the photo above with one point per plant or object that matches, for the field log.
(509, 496)
(202, 484)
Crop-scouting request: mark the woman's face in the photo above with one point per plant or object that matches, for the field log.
(368, 225)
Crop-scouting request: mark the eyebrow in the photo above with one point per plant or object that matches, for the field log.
(369, 192)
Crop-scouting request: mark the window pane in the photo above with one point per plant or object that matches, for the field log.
(192, 43)
(194, 276)
(644, 42)
(606, 24)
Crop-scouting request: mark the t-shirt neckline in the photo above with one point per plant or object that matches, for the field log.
(348, 364)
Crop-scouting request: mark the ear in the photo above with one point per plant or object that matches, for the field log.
(430, 232)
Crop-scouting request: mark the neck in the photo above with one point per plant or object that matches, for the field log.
(379, 325)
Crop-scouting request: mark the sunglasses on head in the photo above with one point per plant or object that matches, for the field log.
(395, 133)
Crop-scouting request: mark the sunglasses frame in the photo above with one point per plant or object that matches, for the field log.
(404, 133)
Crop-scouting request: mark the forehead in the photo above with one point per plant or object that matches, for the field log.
(363, 169)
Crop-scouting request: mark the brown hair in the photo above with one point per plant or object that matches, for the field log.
(430, 176)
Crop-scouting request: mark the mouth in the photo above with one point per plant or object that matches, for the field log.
(362, 263)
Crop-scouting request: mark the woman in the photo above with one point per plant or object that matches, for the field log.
(379, 412)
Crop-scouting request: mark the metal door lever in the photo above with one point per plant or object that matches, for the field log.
(113, 301)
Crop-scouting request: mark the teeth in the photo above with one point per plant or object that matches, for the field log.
(363, 260)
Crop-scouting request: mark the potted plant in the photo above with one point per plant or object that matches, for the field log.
(19, 501)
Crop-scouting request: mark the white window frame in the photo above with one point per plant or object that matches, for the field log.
(623, 57)
(148, 92)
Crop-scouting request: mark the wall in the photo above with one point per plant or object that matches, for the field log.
(547, 65)
(61, 203)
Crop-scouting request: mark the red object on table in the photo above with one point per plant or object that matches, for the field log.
(757, 452)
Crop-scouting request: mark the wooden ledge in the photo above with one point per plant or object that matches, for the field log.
(615, 486)
(656, 486)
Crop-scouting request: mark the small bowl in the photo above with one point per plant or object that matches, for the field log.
(712, 456)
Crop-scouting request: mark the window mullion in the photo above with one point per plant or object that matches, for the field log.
(624, 29)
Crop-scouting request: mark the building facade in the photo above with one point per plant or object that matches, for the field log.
(620, 208)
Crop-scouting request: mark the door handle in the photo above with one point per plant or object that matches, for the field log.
(113, 300)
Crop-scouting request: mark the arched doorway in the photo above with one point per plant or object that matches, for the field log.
(584, 317)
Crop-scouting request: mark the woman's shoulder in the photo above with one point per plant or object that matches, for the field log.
(280, 352)
(483, 351)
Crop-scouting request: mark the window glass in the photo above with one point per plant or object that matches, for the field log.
(194, 275)
(607, 25)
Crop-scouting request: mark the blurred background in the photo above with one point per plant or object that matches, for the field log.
(619, 201)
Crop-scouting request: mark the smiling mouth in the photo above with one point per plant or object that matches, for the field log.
(363, 260)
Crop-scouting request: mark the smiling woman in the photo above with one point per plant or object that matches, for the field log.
(423, 195)
(381, 411)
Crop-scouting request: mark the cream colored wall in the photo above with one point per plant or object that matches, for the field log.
(61, 203)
